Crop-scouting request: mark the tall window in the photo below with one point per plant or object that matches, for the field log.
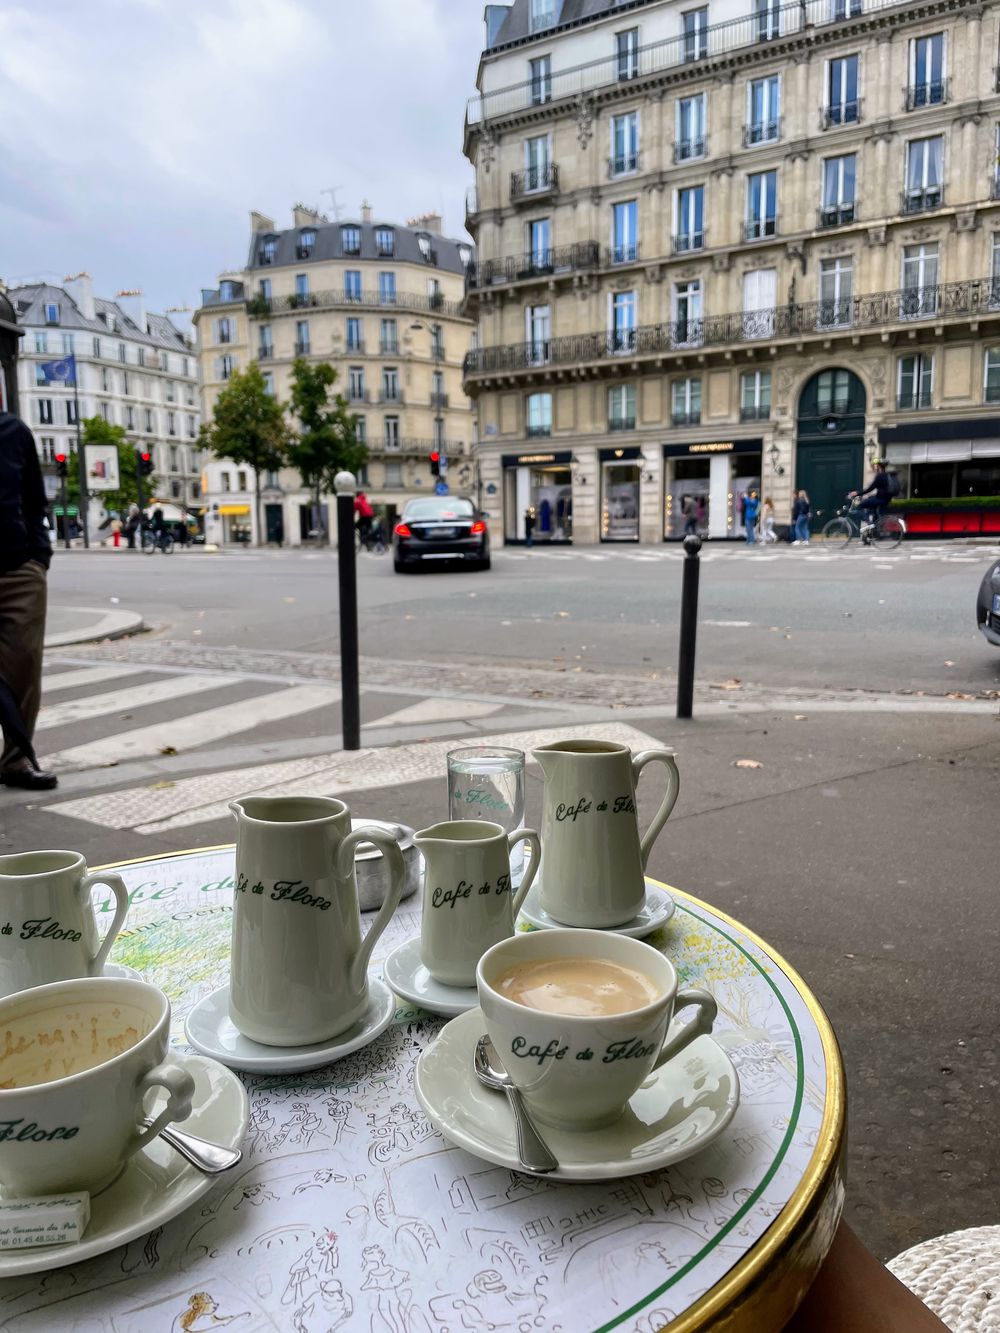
(387, 288)
(539, 414)
(223, 331)
(995, 270)
(686, 401)
(393, 475)
(762, 205)
(388, 336)
(538, 331)
(927, 83)
(688, 324)
(768, 14)
(307, 242)
(302, 287)
(991, 376)
(924, 174)
(624, 144)
(915, 385)
(627, 54)
(763, 110)
(833, 392)
(45, 411)
(836, 291)
(540, 243)
(147, 420)
(437, 342)
(438, 398)
(621, 407)
(71, 412)
(540, 74)
(41, 341)
(755, 395)
(356, 384)
(390, 385)
(839, 181)
(123, 355)
(67, 344)
(130, 418)
(537, 164)
(360, 429)
(690, 232)
(542, 14)
(97, 347)
(390, 432)
(302, 337)
(350, 240)
(696, 33)
(354, 340)
(263, 291)
(920, 281)
(266, 347)
(268, 249)
(624, 232)
(224, 367)
(623, 321)
(690, 132)
(846, 9)
(352, 284)
(843, 104)
(385, 241)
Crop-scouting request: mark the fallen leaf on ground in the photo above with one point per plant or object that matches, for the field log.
(734, 684)
(168, 749)
(159, 786)
(800, 717)
(957, 694)
(747, 763)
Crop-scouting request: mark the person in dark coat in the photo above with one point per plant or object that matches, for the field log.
(25, 553)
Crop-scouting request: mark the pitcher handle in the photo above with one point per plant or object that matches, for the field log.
(639, 762)
(117, 886)
(389, 848)
(529, 836)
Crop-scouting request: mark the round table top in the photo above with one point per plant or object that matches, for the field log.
(350, 1211)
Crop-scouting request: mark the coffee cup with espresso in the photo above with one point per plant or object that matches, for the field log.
(79, 1058)
(580, 1020)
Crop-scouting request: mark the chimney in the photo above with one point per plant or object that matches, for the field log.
(81, 288)
(259, 222)
(426, 222)
(133, 304)
(366, 211)
(306, 217)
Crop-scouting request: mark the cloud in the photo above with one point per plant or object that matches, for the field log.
(136, 135)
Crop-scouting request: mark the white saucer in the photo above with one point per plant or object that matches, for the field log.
(157, 1182)
(679, 1110)
(656, 911)
(210, 1030)
(408, 977)
(122, 970)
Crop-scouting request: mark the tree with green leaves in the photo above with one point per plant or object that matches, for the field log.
(95, 430)
(326, 441)
(248, 427)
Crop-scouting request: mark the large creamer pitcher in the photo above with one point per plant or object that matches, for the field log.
(299, 970)
(593, 859)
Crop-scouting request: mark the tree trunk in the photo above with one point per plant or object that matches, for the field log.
(256, 487)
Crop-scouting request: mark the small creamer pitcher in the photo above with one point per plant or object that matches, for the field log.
(593, 860)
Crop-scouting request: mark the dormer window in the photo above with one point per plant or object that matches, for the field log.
(424, 242)
(307, 243)
(385, 241)
(464, 254)
(227, 291)
(350, 240)
(268, 249)
(543, 14)
(52, 312)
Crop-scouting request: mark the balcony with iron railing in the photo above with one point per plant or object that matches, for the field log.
(789, 22)
(357, 347)
(388, 346)
(685, 241)
(534, 183)
(357, 395)
(976, 298)
(922, 200)
(758, 229)
(918, 400)
(755, 411)
(836, 215)
(840, 113)
(391, 398)
(624, 252)
(265, 352)
(620, 423)
(262, 307)
(439, 400)
(535, 264)
(689, 417)
(761, 131)
(623, 164)
(689, 150)
(302, 346)
(932, 93)
(539, 432)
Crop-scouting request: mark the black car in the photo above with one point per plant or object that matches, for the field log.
(988, 604)
(440, 528)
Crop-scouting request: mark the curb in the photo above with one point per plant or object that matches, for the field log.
(108, 625)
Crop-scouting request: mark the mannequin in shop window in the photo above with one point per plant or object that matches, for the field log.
(545, 517)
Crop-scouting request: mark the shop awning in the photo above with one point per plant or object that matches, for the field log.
(234, 509)
(942, 451)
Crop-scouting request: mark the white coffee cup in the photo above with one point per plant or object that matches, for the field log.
(78, 1059)
(469, 903)
(47, 927)
(579, 1072)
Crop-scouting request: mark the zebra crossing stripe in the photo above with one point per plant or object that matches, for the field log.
(136, 696)
(72, 680)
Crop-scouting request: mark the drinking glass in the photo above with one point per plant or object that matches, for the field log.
(487, 782)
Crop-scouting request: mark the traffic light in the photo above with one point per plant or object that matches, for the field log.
(145, 464)
(61, 469)
(435, 464)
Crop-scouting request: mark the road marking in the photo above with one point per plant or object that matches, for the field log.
(729, 624)
(196, 729)
(438, 710)
(68, 680)
(136, 696)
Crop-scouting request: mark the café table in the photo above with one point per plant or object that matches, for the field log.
(349, 1211)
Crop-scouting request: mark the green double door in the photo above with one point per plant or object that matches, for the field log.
(826, 470)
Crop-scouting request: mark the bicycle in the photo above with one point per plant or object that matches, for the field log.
(157, 541)
(885, 532)
(373, 542)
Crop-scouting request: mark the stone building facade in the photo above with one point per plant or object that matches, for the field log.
(739, 245)
(380, 301)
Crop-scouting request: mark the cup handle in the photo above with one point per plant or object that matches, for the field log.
(529, 836)
(639, 762)
(701, 1026)
(179, 1086)
(117, 886)
(389, 848)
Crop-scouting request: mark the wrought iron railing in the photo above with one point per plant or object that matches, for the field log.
(688, 240)
(621, 423)
(536, 264)
(933, 93)
(975, 297)
(687, 150)
(689, 418)
(275, 305)
(840, 113)
(761, 131)
(534, 180)
(756, 229)
(622, 164)
(755, 411)
(625, 252)
(915, 401)
(836, 215)
(922, 200)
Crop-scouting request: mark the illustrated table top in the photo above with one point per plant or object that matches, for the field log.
(349, 1211)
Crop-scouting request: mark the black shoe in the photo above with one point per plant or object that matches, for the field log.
(31, 779)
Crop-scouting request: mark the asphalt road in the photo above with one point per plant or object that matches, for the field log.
(787, 618)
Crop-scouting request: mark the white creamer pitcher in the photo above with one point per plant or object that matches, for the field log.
(593, 860)
(299, 971)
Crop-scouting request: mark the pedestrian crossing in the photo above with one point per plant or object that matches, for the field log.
(812, 554)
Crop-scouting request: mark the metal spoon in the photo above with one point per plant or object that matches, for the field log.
(207, 1157)
(531, 1148)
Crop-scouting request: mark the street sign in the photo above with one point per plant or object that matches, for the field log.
(441, 488)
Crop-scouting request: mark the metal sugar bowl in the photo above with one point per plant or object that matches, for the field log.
(367, 858)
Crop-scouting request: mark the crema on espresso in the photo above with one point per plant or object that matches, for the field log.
(584, 987)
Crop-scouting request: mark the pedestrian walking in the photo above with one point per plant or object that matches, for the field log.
(363, 513)
(767, 532)
(689, 511)
(529, 526)
(25, 553)
(751, 509)
(116, 531)
(801, 511)
(132, 525)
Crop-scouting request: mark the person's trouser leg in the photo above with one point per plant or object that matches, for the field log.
(22, 638)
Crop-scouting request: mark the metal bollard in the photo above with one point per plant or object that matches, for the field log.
(689, 626)
(350, 701)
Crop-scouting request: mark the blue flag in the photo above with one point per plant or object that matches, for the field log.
(59, 372)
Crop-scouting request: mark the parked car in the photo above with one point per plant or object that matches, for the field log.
(440, 528)
(988, 604)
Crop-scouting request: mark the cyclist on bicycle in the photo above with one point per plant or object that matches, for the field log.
(364, 514)
(877, 503)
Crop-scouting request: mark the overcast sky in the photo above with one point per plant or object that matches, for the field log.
(136, 135)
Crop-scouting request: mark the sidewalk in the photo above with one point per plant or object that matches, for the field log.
(66, 625)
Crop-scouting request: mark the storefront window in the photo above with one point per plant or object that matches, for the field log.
(619, 502)
(744, 477)
(687, 493)
(932, 481)
(538, 502)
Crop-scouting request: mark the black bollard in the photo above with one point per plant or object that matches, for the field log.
(689, 626)
(350, 701)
